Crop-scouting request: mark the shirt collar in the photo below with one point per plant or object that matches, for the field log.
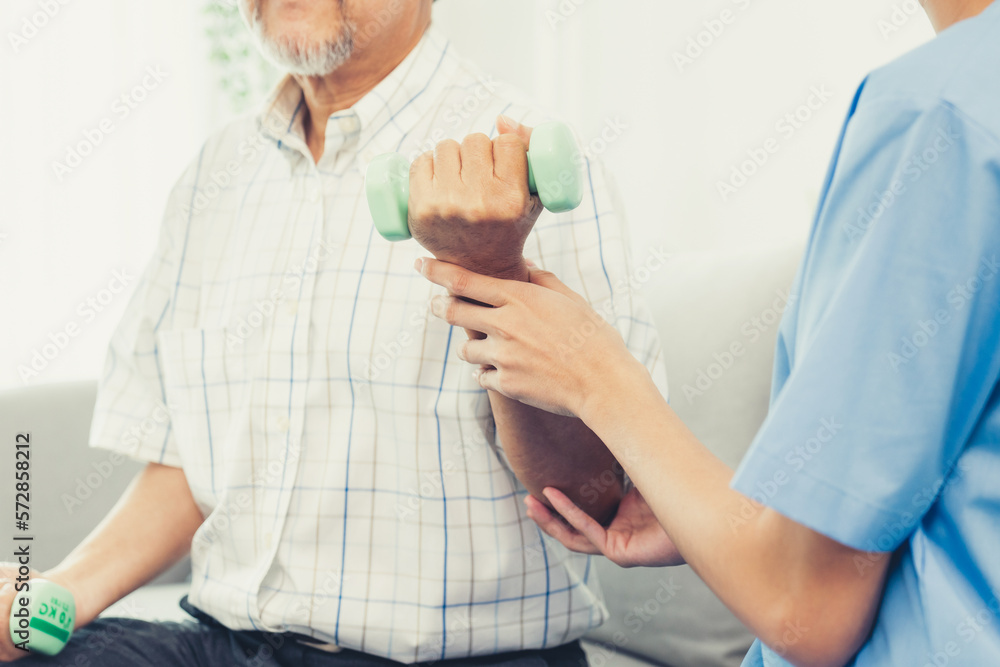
(383, 117)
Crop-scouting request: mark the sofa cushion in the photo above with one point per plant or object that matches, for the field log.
(73, 486)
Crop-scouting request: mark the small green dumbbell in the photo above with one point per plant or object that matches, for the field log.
(42, 617)
(554, 175)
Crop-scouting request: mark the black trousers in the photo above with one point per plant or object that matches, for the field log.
(204, 642)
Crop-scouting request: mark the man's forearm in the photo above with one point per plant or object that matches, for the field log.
(551, 450)
(148, 530)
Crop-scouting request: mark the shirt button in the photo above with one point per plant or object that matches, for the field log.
(348, 124)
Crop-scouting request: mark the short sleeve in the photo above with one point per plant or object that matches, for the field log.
(131, 415)
(896, 333)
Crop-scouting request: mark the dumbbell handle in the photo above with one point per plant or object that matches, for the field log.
(553, 174)
(42, 617)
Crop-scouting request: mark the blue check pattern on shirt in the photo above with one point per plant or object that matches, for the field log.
(282, 353)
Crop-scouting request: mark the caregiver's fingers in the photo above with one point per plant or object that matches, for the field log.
(558, 530)
(478, 351)
(459, 313)
(582, 522)
(489, 378)
(463, 282)
(549, 280)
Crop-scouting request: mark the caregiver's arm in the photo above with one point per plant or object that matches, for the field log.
(470, 205)
(795, 588)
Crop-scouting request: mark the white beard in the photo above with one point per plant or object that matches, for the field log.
(297, 55)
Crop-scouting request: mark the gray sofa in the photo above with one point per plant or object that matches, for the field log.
(703, 305)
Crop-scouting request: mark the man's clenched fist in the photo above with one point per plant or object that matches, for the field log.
(470, 204)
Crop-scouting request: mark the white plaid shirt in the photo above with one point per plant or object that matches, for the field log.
(282, 353)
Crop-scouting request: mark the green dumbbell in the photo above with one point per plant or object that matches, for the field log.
(42, 618)
(554, 175)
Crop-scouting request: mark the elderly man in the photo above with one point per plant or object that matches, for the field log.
(348, 493)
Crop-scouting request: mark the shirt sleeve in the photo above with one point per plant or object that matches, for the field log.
(896, 335)
(588, 250)
(131, 416)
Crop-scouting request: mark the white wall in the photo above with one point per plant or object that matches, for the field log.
(590, 61)
(597, 60)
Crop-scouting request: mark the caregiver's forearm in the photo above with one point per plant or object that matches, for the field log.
(790, 585)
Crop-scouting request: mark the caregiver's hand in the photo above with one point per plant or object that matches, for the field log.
(634, 537)
(544, 346)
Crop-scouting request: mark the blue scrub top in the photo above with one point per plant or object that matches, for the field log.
(884, 427)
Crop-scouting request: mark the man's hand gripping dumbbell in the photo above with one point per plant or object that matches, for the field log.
(474, 203)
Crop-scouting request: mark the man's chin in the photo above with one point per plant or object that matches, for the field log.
(303, 54)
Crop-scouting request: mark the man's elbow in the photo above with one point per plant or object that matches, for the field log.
(599, 497)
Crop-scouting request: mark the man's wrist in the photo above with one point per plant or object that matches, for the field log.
(505, 269)
(85, 607)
